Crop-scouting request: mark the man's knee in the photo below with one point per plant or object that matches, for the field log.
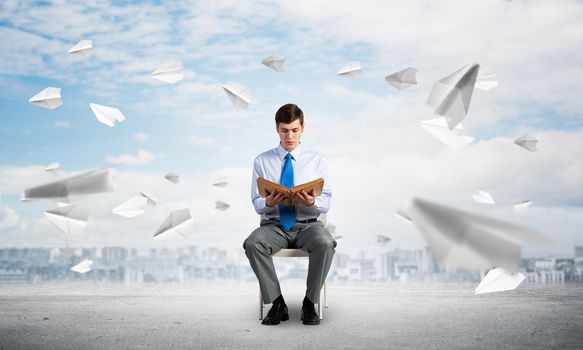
(323, 240)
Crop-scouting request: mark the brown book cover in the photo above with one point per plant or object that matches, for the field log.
(266, 187)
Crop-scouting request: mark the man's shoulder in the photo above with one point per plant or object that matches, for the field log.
(312, 154)
(266, 155)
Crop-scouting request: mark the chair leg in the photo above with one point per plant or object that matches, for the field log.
(320, 308)
(260, 305)
(325, 294)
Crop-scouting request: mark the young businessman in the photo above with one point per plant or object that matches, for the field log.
(290, 227)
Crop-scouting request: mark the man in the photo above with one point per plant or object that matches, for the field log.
(290, 227)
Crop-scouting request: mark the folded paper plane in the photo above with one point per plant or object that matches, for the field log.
(402, 215)
(486, 82)
(465, 240)
(352, 69)
(82, 48)
(83, 267)
(69, 218)
(483, 197)
(53, 167)
(107, 115)
(170, 72)
(177, 226)
(94, 181)
(403, 79)
(220, 183)
(521, 204)
(499, 280)
(527, 142)
(383, 240)
(221, 206)
(453, 138)
(451, 95)
(172, 177)
(151, 199)
(49, 98)
(239, 95)
(274, 62)
(132, 207)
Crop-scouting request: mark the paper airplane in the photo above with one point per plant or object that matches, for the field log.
(486, 82)
(53, 167)
(465, 240)
(222, 206)
(172, 177)
(383, 240)
(49, 98)
(451, 95)
(239, 95)
(499, 280)
(337, 238)
(274, 62)
(453, 138)
(170, 72)
(133, 207)
(521, 204)
(94, 181)
(83, 267)
(352, 69)
(402, 215)
(69, 218)
(82, 48)
(107, 115)
(151, 199)
(403, 79)
(178, 225)
(220, 183)
(527, 142)
(483, 197)
(331, 229)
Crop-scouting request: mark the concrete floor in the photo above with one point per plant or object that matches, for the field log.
(224, 316)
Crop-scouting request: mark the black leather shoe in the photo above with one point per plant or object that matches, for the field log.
(277, 313)
(309, 315)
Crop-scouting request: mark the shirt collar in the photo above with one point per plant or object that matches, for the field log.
(282, 152)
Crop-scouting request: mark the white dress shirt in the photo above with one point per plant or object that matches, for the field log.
(308, 165)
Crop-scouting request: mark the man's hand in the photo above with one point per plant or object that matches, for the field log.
(306, 198)
(274, 198)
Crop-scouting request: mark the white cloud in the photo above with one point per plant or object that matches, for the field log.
(142, 158)
(65, 124)
(141, 137)
(9, 219)
(211, 143)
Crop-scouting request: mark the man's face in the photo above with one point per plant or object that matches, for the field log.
(290, 134)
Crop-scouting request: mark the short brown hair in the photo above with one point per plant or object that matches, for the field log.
(288, 113)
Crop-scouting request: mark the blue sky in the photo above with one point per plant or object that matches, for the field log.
(366, 128)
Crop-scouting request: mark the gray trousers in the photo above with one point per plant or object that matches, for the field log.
(271, 237)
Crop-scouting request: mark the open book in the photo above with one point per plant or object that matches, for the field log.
(266, 187)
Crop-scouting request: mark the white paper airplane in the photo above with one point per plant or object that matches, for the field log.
(94, 181)
(221, 206)
(239, 95)
(527, 142)
(71, 219)
(82, 48)
(177, 226)
(49, 98)
(170, 72)
(465, 240)
(151, 199)
(53, 167)
(352, 69)
(451, 95)
(331, 229)
(220, 183)
(486, 82)
(133, 207)
(274, 62)
(383, 240)
(499, 280)
(402, 215)
(453, 138)
(172, 177)
(83, 267)
(483, 197)
(403, 79)
(107, 115)
(521, 204)
(337, 238)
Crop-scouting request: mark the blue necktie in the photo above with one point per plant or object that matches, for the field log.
(287, 215)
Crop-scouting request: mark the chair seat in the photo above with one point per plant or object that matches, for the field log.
(291, 253)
